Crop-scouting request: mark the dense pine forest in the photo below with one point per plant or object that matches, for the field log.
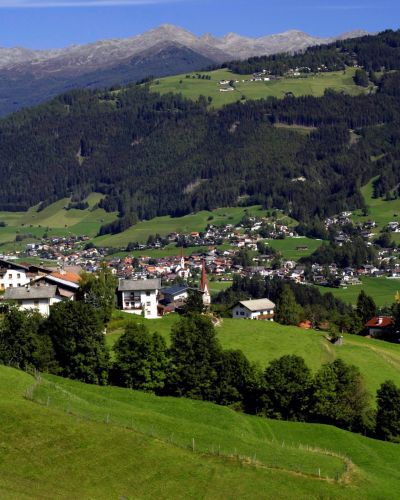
(155, 155)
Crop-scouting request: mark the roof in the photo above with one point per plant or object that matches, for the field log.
(175, 289)
(33, 292)
(380, 322)
(67, 276)
(136, 285)
(5, 264)
(257, 305)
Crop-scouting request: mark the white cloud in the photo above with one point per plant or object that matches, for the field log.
(37, 4)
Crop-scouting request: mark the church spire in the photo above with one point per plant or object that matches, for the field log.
(204, 285)
(182, 259)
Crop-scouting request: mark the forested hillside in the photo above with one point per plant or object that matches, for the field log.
(373, 53)
(155, 155)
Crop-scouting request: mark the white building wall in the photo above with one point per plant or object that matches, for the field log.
(13, 278)
(141, 300)
(239, 312)
(41, 305)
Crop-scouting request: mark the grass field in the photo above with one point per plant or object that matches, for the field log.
(186, 224)
(262, 342)
(381, 211)
(315, 85)
(54, 220)
(289, 247)
(80, 441)
(382, 290)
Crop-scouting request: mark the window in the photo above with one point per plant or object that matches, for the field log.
(237, 313)
(36, 303)
(2, 285)
(18, 276)
(148, 294)
(241, 313)
(148, 304)
(10, 276)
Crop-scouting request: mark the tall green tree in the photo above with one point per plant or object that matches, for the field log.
(23, 342)
(288, 383)
(388, 413)
(340, 397)
(98, 289)
(195, 355)
(288, 311)
(238, 381)
(77, 334)
(140, 359)
(366, 307)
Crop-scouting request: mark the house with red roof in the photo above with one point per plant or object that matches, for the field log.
(380, 326)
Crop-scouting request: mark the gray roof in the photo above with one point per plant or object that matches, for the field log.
(257, 304)
(33, 292)
(137, 285)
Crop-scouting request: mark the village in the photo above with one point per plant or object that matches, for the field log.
(154, 287)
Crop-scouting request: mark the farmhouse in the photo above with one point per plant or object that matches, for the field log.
(39, 298)
(139, 296)
(380, 326)
(261, 309)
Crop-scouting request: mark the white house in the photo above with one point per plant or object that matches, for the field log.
(12, 275)
(262, 309)
(139, 296)
(28, 297)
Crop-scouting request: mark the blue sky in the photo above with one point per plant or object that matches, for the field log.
(57, 23)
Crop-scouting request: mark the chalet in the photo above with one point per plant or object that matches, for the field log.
(261, 309)
(139, 296)
(12, 275)
(39, 298)
(379, 326)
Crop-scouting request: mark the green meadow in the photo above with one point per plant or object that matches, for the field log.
(382, 290)
(193, 87)
(381, 211)
(291, 248)
(263, 341)
(70, 440)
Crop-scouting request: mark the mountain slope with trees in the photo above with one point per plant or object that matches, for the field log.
(156, 155)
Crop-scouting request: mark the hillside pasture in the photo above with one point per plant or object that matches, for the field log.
(192, 87)
(382, 290)
(264, 341)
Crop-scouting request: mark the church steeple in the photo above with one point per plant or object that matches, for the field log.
(182, 259)
(204, 286)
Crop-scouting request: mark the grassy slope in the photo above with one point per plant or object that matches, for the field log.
(381, 211)
(382, 290)
(311, 85)
(144, 449)
(262, 342)
(53, 220)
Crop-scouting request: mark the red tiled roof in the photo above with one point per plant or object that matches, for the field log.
(380, 322)
(74, 278)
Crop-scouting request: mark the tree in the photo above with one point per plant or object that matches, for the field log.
(23, 342)
(238, 381)
(140, 359)
(361, 78)
(98, 289)
(366, 307)
(340, 397)
(76, 331)
(288, 312)
(195, 354)
(194, 303)
(288, 383)
(388, 414)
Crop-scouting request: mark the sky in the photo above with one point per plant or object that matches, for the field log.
(58, 23)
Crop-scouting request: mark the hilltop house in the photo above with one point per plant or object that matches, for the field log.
(380, 326)
(139, 296)
(261, 309)
(39, 298)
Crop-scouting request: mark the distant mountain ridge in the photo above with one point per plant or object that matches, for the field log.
(32, 76)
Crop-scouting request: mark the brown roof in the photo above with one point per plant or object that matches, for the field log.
(380, 322)
(67, 276)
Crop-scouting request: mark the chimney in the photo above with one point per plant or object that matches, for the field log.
(380, 320)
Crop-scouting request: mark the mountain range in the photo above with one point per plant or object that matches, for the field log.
(31, 76)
